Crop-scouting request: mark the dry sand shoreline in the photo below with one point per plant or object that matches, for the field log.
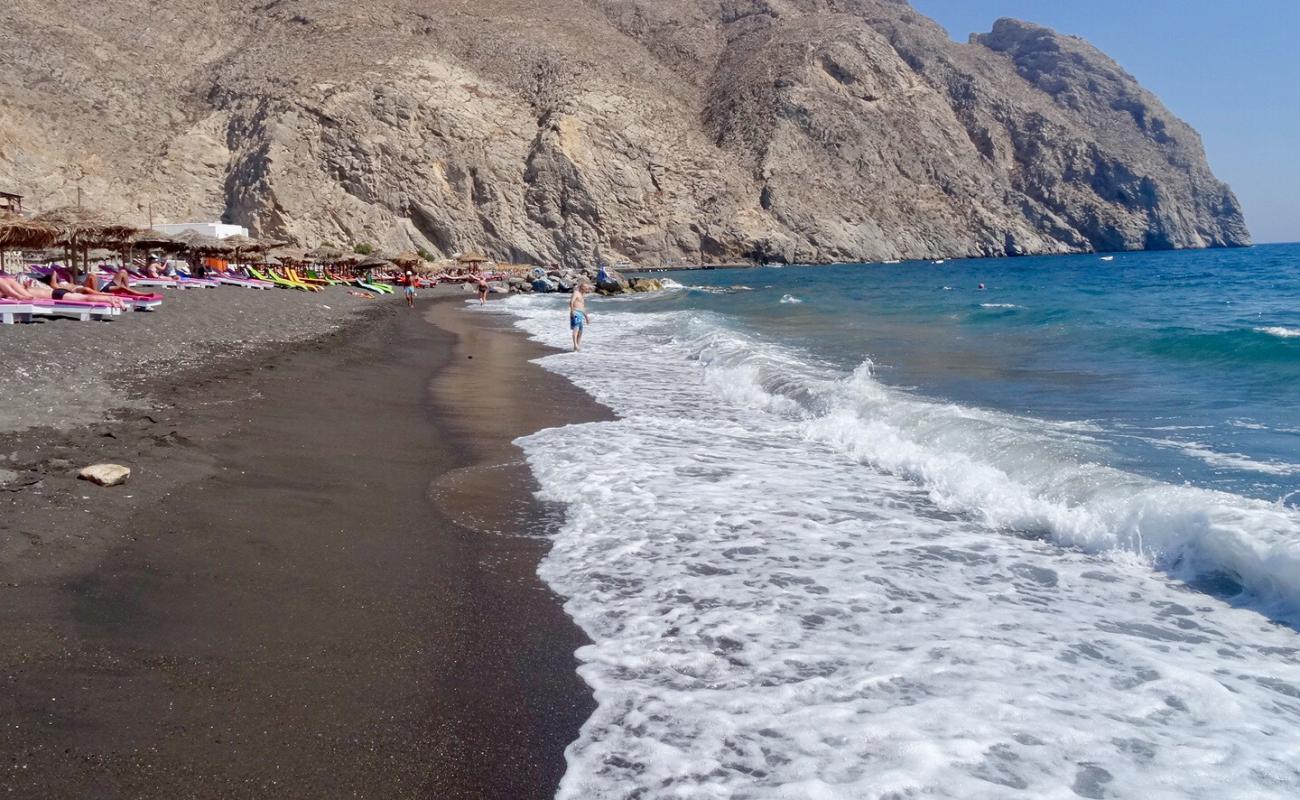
(315, 586)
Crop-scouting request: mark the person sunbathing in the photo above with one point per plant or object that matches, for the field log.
(55, 289)
(13, 290)
(121, 285)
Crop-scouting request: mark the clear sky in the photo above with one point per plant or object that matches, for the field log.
(1230, 68)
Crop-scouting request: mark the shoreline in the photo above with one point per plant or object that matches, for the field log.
(320, 581)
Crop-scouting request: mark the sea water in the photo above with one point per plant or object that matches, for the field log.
(870, 531)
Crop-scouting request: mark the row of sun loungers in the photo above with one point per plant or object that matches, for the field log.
(107, 281)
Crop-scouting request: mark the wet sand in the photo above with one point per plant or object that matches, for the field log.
(321, 582)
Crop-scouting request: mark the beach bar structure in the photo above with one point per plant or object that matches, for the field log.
(13, 203)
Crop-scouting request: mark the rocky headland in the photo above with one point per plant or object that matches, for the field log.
(551, 131)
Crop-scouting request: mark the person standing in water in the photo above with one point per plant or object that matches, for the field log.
(410, 289)
(578, 314)
(482, 290)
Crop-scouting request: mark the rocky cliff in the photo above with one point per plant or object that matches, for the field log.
(552, 130)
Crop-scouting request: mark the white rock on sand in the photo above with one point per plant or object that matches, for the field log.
(105, 474)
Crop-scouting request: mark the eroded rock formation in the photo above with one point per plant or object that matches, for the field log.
(556, 131)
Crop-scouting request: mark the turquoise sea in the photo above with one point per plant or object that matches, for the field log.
(1185, 364)
(872, 531)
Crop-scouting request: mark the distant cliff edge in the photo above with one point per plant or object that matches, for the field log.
(640, 130)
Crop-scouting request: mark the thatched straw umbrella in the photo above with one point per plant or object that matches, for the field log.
(200, 244)
(326, 255)
(242, 244)
(373, 262)
(295, 255)
(150, 240)
(157, 240)
(81, 229)
(20, 233)
(196, 242)
(407, 258)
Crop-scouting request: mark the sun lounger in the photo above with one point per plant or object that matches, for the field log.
(284, 283)
(73, 309)
(245, 283)
(11, 312)
(377, 288)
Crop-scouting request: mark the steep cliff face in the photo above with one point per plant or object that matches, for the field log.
(549, 130)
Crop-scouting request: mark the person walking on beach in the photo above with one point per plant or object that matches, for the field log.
(482, 290)
(410, 289)
(578, 314)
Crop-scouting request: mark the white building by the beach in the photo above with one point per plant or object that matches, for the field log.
(218, 230)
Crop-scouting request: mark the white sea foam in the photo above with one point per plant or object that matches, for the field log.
(720, 289)
(1235, 461)
(800, 583)
(999, 305)
(1280, 332)
(789, 298)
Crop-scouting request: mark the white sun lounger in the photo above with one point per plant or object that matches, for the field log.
(15, 312)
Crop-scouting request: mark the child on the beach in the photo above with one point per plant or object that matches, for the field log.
(410, 289)
(578, 314)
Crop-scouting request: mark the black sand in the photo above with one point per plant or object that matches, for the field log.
(319, 583)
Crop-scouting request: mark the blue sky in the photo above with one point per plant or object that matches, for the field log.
(1230, 69)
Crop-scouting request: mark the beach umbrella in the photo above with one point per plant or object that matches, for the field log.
(373, 262)
(242, 244)
(202, 243)
(407, 258)
(150, 240)
(326, 255)
(157, 240)
(82, 228)
(272, 261)
(290, 254)
(472, 260)
(20, 233)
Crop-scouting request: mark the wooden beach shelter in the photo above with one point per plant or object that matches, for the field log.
(81, 229)
(13, 203)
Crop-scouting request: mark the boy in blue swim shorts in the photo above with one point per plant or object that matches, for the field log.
(410, 289)
(578, 314)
